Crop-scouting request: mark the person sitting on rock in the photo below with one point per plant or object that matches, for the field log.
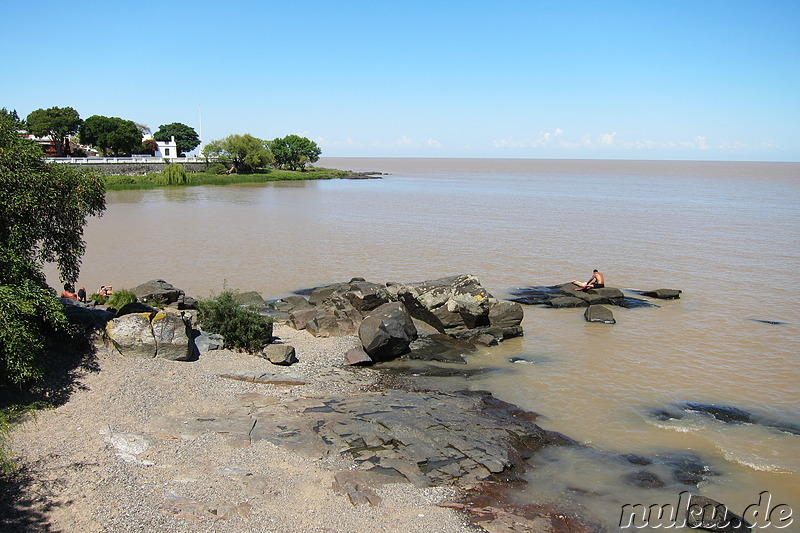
(82, 294)
(597, 281)
(69, 292)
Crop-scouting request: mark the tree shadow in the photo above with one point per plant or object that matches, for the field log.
(24, 497)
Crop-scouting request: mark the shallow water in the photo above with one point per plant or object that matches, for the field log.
(727, 234)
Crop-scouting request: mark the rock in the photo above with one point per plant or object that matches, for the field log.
(711, 515)
(209, 341)
(720, 412)
(643, 479)
(441, 348)
(157, 289)
(300, 319)
(173, 336)
(358, 357)
(132, 335)
(599, 313)
(267, 378)
(87, 318)
(291, 304)
(387, 332)
(458, 306)
(145, 336)
(505, 314)
(136, 307)
(663, 294)
(249, 299)
(563, 302)
(279, 354)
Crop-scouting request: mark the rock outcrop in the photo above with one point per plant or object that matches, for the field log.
(457, 306)
(147, 335)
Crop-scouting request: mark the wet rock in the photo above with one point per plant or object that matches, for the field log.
(440, 348)
(726, 414)
(711, 515)
(566, 302)
(290, 304)
(279, 354)
(599, 313)
(663, 294)
(643, 479)
(387, 332)
(771, 322)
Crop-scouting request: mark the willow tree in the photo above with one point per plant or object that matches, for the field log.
(43, 211)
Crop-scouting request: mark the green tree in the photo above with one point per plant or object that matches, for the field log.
(185, 136)
(13, 116)
(294, 152)
(43, 210)
(111, 135)
(57, 123)
(242, 153)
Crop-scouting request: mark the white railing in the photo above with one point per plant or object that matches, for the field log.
(132, 159)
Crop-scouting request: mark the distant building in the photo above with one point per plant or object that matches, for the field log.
(167, 148)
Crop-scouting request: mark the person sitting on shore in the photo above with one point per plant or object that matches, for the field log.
(69, 292)
(82, 294)
(597, 281)
(105, 290)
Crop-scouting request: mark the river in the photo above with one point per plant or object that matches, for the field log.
(727, 234)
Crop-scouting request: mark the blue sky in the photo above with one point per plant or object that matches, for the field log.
(672, 79)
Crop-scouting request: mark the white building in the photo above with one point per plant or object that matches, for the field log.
(167, 149)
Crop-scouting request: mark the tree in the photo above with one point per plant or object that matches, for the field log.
(112, 135)
(294, 152)
(43, 210)
(12, 115)
(185, 136)
(242, 153)
(57, 123)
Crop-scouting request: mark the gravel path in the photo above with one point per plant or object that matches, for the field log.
(106, 461)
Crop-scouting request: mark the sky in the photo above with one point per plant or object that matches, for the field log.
(643, 79)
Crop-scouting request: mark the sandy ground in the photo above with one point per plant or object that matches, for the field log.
(111, 459)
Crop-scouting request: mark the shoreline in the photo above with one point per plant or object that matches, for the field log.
(117, 456)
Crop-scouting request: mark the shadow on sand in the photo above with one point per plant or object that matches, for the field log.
(24, 497)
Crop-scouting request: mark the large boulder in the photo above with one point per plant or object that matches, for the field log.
(387, 332)
(599, 313)
(158, 290)
(148, 335)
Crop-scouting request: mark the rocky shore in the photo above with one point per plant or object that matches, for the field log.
(174, 434)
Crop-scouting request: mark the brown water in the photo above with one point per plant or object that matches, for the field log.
(727, 234)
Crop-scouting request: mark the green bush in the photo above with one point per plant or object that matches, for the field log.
(98, 298)
(241, 327)
(173, 174)
(217, 168)
(120, 298)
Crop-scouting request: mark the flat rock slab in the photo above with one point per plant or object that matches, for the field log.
(268, 378)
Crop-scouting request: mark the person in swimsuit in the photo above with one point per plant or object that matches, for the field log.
(69, 292)
(597, 281)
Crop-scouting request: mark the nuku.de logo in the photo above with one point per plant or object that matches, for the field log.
(697, 511)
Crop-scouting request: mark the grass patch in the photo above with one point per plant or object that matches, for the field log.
(155, 179)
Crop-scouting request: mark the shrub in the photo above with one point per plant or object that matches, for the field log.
(241, 327)
(98, 298)
(120, 298)
(217, 168)
(173, 174)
